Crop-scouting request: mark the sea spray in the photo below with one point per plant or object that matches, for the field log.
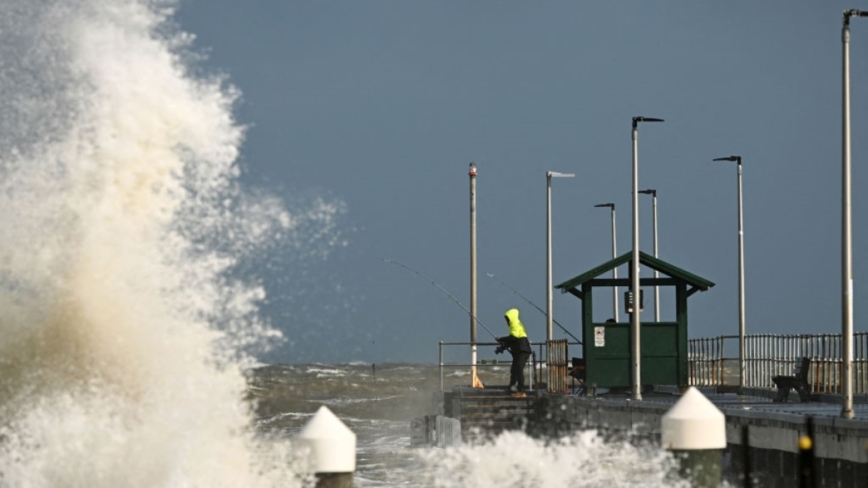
(124, 330)
(381, 407)
(582, 459)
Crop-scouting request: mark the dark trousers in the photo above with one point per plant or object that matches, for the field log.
(516, 371)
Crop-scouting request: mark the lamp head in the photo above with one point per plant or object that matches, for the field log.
(608, 205)
(472, 169)
(638, 119)
(853, 13)
(649, 191)
(736, 159)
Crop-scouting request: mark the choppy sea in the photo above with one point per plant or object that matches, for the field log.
(378, 402)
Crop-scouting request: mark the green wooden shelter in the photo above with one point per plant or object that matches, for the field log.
(606, 346)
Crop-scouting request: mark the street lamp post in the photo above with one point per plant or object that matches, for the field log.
(614, 255)
(653, 194)
(634, 266)
(473, 310)
(741, 314)
(549, 176)
(847, 223)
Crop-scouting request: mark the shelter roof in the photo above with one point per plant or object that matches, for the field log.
(668, 269)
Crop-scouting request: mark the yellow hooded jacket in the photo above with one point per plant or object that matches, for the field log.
(516, 328)
(517, 340)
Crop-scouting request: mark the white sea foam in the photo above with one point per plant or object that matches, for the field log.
(326, 372)
(285, 415)
(124, 331)
(352, 401)
(515, 460)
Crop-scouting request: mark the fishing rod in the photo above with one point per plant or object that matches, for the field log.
(444, 291)
(491, 275)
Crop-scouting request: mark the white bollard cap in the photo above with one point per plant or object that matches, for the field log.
(693, 423)
(332, 444)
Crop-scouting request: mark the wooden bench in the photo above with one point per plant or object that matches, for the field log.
(798, 382)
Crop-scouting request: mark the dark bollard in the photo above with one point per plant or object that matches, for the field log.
(695, 431)
(807, 460)
(745, 451)
(334, 480)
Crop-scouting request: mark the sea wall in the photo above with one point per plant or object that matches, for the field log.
(841, 445)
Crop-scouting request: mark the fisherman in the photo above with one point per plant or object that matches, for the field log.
(518, 345)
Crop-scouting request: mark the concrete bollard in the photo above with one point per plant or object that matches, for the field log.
(332, 449)
(695, 431)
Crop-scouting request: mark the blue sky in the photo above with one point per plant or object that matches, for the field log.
(381, 105)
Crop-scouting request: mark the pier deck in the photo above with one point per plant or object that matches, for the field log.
(825, 407)
(841, 445)
(774, 429)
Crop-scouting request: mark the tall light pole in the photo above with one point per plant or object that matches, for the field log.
(847, 224)
(653, 194)
(473, 313)
(634, 266)
(614, 255)
(741, 314)
(549, 176)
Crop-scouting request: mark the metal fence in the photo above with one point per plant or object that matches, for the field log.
(714, 361)
(555, 368)
(531, 366)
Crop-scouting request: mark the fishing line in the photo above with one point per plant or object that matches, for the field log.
(444, 291)
(490, 275)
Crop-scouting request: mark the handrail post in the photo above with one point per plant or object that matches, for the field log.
(441, 366)
(748, 361)
(532, 366)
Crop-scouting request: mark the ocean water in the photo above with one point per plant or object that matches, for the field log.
(128, 341)
(378, 402)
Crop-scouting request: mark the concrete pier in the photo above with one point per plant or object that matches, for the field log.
(774, 429)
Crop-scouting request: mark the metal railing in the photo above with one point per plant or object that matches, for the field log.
(531, 364)
(768, 355)
(557, 373)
